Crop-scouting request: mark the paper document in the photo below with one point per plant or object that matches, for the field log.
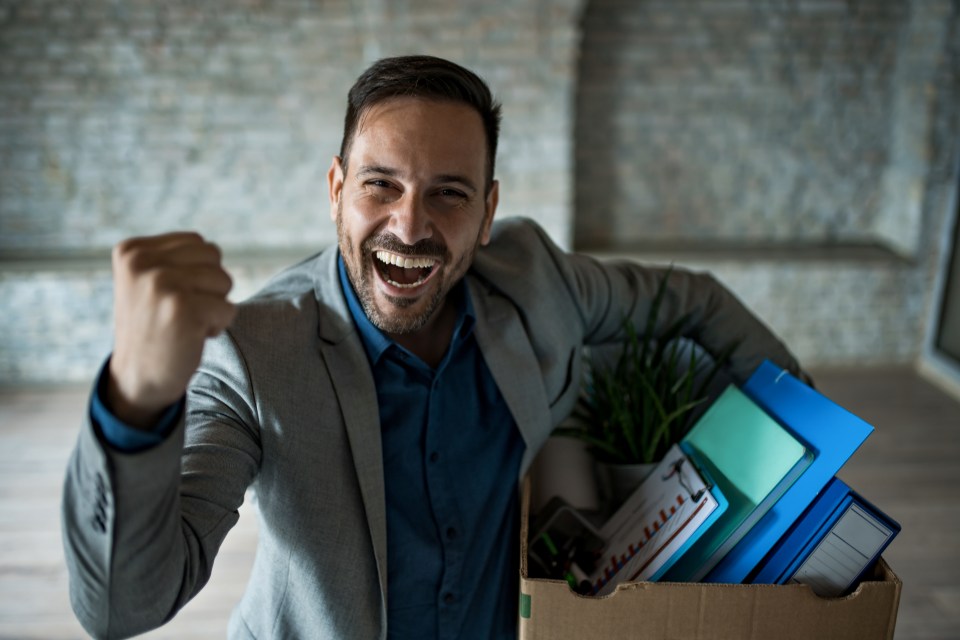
(658, 520)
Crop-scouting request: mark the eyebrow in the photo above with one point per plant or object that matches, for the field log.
(366, 170)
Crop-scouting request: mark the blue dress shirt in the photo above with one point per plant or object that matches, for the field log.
(451, 456)
(121, 435)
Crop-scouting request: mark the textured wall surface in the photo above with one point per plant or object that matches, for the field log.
(131, 117)
(740, 120)
(819, 122)
(57, 319)
(830, 311)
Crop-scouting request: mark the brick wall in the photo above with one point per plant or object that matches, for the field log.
(798, 125)
(817, 121)
(738, 120)
(132, 117)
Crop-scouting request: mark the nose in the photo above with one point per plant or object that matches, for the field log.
(409, 219)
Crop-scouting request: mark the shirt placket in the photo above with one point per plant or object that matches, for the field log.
(443, 498)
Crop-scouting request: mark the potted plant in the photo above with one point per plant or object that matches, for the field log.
(634, 409)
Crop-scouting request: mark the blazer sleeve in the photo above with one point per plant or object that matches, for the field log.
(141, 530)
(601, 295)
(718, 319)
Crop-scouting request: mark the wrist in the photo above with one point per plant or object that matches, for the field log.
(134, 409)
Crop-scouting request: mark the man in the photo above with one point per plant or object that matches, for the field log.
(382, 398)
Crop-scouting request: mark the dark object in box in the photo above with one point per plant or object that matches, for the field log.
(549, 610)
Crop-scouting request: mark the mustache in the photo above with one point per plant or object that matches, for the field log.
(393, 244)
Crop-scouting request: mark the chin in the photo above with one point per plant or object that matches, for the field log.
(401, 315)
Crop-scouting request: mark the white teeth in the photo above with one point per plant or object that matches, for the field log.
(406, 263)
(406, 286)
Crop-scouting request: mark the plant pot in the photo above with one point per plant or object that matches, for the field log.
(618, 481)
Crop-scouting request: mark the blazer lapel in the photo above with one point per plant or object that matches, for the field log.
(349, 371)
(508, 353)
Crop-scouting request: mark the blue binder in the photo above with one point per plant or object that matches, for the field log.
(836, 540)
(830, 431)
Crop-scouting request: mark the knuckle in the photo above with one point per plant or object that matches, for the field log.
(132, 254)
(227, 281)
(215, 250)
(159, 281)
(173, 309)
(123, 251)
(168, 309)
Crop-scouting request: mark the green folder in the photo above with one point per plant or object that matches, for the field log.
(752, 459)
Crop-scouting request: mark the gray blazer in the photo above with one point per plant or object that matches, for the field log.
(284, 402)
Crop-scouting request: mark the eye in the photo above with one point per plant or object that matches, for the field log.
(381, 190)
(452, 193)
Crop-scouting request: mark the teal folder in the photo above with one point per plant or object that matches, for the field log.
(753, 461)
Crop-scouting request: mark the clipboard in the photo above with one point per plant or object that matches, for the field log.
(661, 519)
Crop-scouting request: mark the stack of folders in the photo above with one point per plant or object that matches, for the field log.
(752, 460)
(750, 495)
(833, 543)
(830, 432)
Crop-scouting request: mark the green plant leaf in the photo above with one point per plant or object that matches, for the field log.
(634, 410)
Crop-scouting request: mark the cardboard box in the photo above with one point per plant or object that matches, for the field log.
(549, 610)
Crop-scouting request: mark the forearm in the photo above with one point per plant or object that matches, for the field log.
(141, 529)
(720, 321)
(717, 320)
(125, 553)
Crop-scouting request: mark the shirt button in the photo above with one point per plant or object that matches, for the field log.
(451, 533)
(434, 456)
(448, 598)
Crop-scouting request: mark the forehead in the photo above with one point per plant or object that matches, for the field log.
(422, 132)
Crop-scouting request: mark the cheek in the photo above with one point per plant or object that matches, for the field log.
(359, 217)
(462, 243)
(367, 213)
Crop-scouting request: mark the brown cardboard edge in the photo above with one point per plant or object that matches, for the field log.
(881, 577)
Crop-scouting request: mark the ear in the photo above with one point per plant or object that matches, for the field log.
(335, 183)
(490, 207)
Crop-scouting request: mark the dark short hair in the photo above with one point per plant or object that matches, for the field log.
(422, 77)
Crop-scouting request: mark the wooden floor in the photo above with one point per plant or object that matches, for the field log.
(910, 467)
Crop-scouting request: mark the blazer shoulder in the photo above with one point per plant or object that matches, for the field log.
(518, 230)
(290, 283)
(294, 303)
(519, 247)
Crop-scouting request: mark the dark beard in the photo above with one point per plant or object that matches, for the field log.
(363, 281)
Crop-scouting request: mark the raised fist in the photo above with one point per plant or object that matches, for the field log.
(170, 295)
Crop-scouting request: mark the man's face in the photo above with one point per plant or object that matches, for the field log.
(411, 210)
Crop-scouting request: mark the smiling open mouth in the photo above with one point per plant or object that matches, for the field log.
(402, 271)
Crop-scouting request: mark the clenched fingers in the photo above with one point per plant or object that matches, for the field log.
(171, 249)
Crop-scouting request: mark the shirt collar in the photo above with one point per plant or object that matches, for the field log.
(376, 342)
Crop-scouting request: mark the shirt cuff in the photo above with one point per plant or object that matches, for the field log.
(122, 436)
